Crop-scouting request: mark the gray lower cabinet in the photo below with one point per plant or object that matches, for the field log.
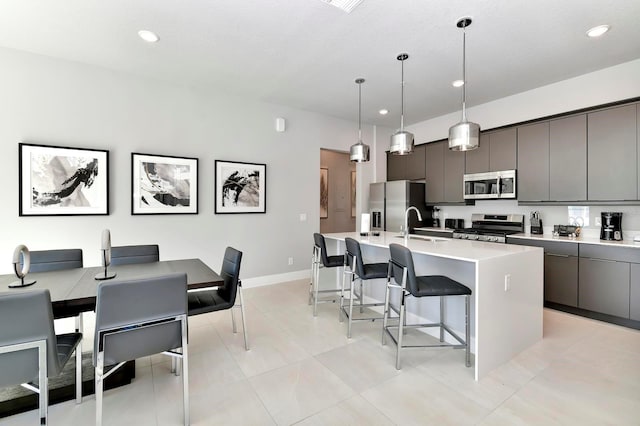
(561, 279)
(634, 299)
(604, 286)
(612, 154)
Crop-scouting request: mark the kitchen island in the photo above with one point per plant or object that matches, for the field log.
(506, 281)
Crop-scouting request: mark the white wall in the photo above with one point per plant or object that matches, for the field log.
(57, 102)
(604, 86)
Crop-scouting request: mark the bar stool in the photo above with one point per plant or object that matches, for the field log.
(320, 258)
(401, 269)
(356, 269)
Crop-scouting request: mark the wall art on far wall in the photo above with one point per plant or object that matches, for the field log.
(324, 193)
(162, 184)
(240, 187)
(57, 180)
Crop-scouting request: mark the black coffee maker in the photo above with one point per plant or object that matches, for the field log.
(611, 226)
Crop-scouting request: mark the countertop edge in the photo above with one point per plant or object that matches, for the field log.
(579, 240)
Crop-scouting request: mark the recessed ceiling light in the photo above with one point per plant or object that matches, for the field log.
(598, 31)
(346, 5)
(383, 112)
(457, 83)
(148, 36)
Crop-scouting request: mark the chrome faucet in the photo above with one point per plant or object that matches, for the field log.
(406, 219)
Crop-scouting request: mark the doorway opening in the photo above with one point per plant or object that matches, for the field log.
(337, 192)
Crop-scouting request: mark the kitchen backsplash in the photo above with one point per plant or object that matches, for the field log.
(550, 215)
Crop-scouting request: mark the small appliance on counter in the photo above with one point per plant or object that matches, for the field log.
(611, 226)
(454, 223)
(536, 223)
(435, 220)
(566, 230)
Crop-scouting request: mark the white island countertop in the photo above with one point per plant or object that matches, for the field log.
(470, 251)
(582, 239)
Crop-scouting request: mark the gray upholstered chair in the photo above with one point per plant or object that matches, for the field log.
(29, 347)
(137, 318)
(223, 297)
(321, 258)
(127, 255)
(55, 260)
(402, 272)
(357, 271)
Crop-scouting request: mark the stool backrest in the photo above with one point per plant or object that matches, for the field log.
(26, 316)
(127, 305)
(55, 260)
(354, 255)
(401, 258)
(127, 255)
(318, 239)
(230, 274)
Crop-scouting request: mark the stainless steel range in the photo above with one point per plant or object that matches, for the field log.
(491, 227)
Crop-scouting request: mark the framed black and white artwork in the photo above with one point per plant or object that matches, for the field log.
(162, 184)
(324, 193)
(240, 187)
(59, 181)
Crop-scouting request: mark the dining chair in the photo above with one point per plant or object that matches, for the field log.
(127, 255)
(320, 258)
(30, 351)
(402, 276)
(137, 318)
(223, 297)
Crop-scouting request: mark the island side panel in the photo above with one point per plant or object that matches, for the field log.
(508, 321)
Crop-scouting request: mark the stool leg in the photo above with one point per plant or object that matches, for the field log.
(341, 307)
(467, 330)
(442, 318)
(353, 291)
(400, 329)
(361, 295)
(315, 291)
(385, 316)
(313, 267)
(79, 329)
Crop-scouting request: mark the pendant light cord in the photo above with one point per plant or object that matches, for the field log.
(359, 112)
(402, 97)
(464, 72)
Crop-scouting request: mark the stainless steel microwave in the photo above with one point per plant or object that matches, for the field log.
(490, 185)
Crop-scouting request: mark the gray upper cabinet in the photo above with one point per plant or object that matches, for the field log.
(612, 154)
(502, 150)
(533, 162)
(415, 164)
(453, 174)
(477, 161)
(638, 144)
(434, 162)
(568, 159)
(395, 167)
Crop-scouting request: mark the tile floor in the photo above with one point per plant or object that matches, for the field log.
(303, 370)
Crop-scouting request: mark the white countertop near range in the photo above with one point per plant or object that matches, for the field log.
(583, 239)
(470, 251)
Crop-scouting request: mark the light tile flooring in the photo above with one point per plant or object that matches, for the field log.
(303, 370)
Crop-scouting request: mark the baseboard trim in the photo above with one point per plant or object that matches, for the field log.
(275, 279)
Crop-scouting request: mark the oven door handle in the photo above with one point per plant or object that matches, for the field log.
(499, 189)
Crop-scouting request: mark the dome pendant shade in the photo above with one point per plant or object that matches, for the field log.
(359, 153)
(401, 141)
(464, 136)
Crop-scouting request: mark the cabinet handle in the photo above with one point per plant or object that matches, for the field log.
(601, 260)
(557, 255)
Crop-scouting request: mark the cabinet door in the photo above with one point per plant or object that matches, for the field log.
(533, 162)
(568, 159)
(612, 156)
(414, 165)
(634, 302)
(638, 144)
(561, 279)
(604, 286)
(502, 150)
(453, 176)
(477, 161)
(434, 161)
(395, 167)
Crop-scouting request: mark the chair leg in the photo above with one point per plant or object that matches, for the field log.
(173, 365)
(400, 328)
(442, 318)
(385, 316)
(341, 307)
(179, 365)
(98, 387)
(185, 374)
(316, 288)
(244, 320)
(79, 329)
(233, 321)
(361, 296)
(313, 266)
(467, 329)
(351, 297)
(43, 384)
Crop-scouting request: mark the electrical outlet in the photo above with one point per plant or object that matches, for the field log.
(303, 217)
(598, 221)
(507, 282)
(290, 261)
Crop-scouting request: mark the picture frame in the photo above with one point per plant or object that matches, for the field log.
(163, 184)
(240, 187)
(353, 193)
(62, 181)
(324, 193)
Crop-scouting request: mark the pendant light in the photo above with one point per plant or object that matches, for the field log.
(402, 141)
(465, 135)
(359, 153)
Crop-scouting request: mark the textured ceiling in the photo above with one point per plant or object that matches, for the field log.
(307, 54)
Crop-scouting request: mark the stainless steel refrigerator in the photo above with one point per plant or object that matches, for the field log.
(388, 202)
